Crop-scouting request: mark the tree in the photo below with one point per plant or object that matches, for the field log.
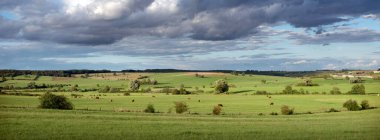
(351, 105)
(51, 101)
(134, 85)
(74, 88)
(3, 78)
(221, 86)
(308, 82)
(180, 107)
(154, 82)
(357, 89)
(357, 80)
(104, 89)
(365, 105)
(335, 90)
(32, 85)
(288, 90)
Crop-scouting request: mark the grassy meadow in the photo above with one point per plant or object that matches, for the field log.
(245, 115)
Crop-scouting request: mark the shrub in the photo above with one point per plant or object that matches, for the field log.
(217, 109)
(134, 85)
(357, 80)
(351, 105)
(273, 113)
(332, 110)
(127, 94)
(104, 89)
(365, 105)
(289, 90)
(51, 101)
(357, 89)
(307, 82)
(114, 90)
(180, 107)
(149, 109)
(285, 110)
(335, 90)
(221, 86)
(261, 92)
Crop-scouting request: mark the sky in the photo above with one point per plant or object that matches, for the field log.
(289, 35)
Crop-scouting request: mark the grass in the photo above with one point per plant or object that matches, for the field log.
(244, 84)
(56, 124)
(115, 116)
(233, 104)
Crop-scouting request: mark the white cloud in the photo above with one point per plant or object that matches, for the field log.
(296, 62)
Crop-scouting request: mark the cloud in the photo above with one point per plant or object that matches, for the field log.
(97, 22)
(339, 35)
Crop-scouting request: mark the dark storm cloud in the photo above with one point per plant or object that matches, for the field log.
(108, 21)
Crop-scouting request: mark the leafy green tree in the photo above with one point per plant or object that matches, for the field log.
(357, 89)
(180, 107)
(149, 109)
(288, 90)
(104, 89)
(365, 105)
(3, 78)
(51, 101)
(221, 86)
(335, 90)
(351, 105)
(32, 85)
(134, 85)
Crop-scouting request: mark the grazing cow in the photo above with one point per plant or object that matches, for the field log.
(154, 96)
(270, 97)
(221, 105)
(189, 98)
(199, 100)
(96, 97)
(271, 103)
(111, 100)
(133, 100)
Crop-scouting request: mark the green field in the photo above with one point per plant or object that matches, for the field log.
(242, 84)
(115, 116)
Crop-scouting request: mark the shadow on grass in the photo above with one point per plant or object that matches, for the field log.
(241, 91)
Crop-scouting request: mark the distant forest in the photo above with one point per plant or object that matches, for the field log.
(68, 73)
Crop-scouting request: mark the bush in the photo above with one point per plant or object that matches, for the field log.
(114, 90)
(351, 105)
(273, 113)
(104, 89)
(307, 82)
(180, 107)
(262, 92)
(127, 94)
(134, 85)
(221, 86)
(332, 110)
(52, 101)
(149, 109)
(289, 90)
(285, 110)
(335, 90)
(357, 89)
(217, 109)
(365, 105)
